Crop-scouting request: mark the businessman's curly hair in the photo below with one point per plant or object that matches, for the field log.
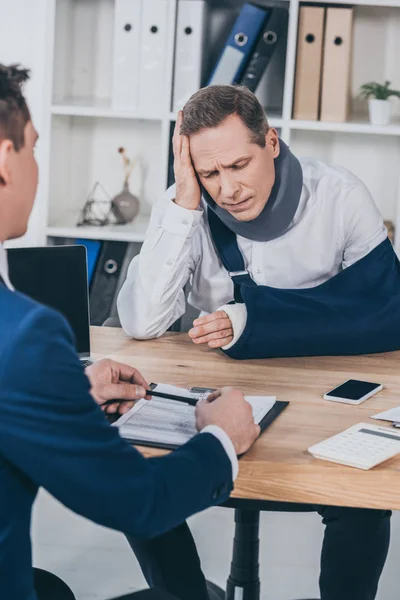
(14, 111)
(209, 106)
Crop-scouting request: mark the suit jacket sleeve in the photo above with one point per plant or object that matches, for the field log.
(55, 434)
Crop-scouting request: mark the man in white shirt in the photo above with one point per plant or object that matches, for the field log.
(297, 225)
(334, 225)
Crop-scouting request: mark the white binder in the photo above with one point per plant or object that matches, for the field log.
(188, 51)
(127, 33)
(152, 76)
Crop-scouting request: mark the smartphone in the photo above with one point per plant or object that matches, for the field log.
(353, 391)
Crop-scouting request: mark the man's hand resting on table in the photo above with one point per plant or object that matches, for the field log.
(215, 330)
(113, 380)
(228, 409)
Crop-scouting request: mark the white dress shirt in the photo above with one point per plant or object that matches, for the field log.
(4, 268)
(335, 225)
(217, 432)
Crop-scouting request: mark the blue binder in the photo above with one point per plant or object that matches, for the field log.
(239, 45)
(93, 248)
(271, 35)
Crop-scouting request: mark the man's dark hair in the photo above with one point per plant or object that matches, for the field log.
(210, 106)
(14, 112)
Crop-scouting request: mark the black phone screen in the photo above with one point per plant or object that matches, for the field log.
(353, 389)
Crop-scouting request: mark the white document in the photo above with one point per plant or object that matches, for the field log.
(153, 52)
(173, 423)
(393, 414)
(127, 34)
(188, 50)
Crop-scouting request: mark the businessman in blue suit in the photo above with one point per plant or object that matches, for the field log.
(53, 432)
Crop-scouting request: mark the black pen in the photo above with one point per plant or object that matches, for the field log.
(191, 401)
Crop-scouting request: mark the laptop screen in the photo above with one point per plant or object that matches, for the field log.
(57, 277)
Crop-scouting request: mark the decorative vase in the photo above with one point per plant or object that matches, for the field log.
(380, 111)
(125, 206)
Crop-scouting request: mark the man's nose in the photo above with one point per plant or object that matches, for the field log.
(229, 187)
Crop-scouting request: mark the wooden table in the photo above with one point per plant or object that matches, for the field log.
(278, 467)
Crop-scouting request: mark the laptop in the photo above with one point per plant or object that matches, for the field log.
(56, 276)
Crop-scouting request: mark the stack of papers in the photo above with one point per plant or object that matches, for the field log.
(393, 414)
(169, 423)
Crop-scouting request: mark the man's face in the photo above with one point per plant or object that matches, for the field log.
(18, 184)
(237, 173)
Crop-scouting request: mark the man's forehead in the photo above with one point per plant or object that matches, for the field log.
(207, 158)
(31, 130)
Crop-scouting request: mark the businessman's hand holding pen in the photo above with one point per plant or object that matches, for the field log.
(225, 408)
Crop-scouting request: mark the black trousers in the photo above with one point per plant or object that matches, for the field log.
(51, 587)
(354, 552)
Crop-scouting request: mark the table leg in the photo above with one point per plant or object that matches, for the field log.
(243, 582)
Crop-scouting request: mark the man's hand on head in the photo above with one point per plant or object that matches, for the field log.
(215, 330)
(188, 194)
(111, 380)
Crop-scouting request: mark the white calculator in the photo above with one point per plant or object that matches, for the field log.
(362, 446)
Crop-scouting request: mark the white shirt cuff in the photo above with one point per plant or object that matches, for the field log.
(227, 444)
(238, 316)
(181, 221)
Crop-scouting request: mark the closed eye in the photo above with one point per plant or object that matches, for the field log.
(239, 167)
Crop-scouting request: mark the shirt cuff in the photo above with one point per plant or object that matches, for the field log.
(238, 316)
(227, 444)
(181, 221)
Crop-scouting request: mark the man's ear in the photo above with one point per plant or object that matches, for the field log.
(6, 148)
(272, 141)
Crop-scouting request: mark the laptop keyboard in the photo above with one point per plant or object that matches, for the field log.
(86, 363)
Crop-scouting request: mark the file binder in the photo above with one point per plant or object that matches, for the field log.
(127, 26)
(239, 45)
(188, 51)
(335, 98)
(309, 63)
(93, 248)
(105, 280)
(268, 39)
(152, 73)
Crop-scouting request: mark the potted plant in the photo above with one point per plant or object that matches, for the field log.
(380, 107)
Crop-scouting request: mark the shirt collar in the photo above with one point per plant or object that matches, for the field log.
(4, 268)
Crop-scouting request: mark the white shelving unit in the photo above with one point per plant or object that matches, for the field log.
(79, 147)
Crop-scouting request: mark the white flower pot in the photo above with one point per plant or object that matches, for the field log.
(380, 111)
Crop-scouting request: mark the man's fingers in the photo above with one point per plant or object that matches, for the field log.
(111, 409)
(123, 391)
(177, 138)
(257, 431)
(185, 152)
(215, 316)
(213, 396)
(213, 326)
(220, 343)
(132, 375)
(215, 335)
(124, 407)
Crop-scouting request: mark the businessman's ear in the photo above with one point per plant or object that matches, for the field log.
(6, 151)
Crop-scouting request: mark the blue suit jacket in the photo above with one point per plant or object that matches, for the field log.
(52, 434)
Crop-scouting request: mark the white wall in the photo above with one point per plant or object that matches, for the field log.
(31, 45)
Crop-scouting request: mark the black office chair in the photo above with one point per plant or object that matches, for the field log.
(50, 587)
(153, 594)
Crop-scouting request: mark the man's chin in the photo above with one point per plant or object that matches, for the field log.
(246, 215)
(18, 233)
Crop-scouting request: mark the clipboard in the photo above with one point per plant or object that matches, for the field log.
(269, 418)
